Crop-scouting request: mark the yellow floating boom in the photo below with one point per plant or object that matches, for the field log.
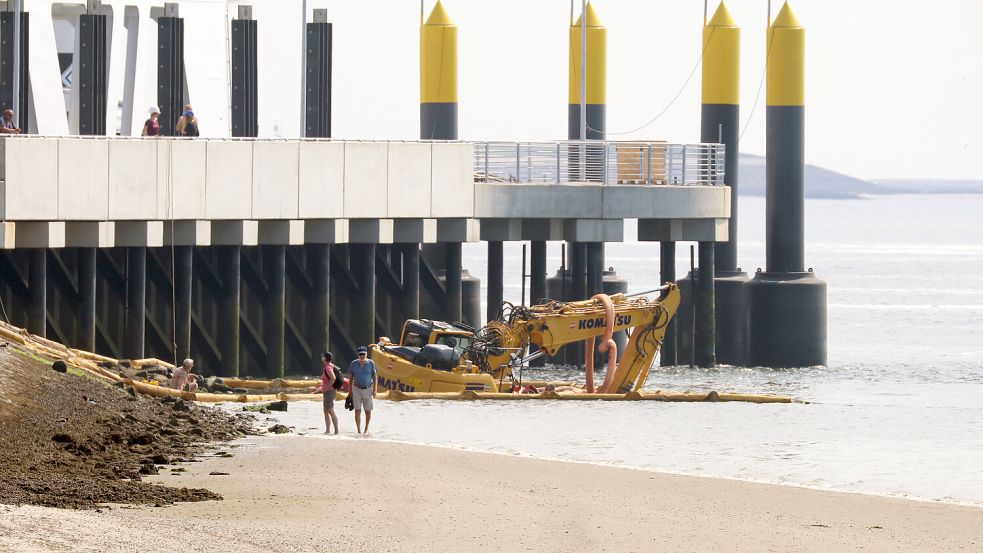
(89, 363)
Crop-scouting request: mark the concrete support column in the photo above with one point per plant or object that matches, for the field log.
(537, 279)
(37, 321)
(594, 254)
(319, 267)
(704, 350)
(455, 310)
(229, 272)
(667, 268)
(87, 298)
(183, 266)
(362, 266)
(496, 276)
(410, 254)
(136, 301)
(275, 261)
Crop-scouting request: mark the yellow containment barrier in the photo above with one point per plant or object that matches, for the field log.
(90, 363)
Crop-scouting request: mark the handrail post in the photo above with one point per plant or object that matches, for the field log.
(558, 147)
(684, 165)
(648, 164)
(605, 160)
(518, 162)
(486, 162)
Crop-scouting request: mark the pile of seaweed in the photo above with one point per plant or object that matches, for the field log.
(69, 440)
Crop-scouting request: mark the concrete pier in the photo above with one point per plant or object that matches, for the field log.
(201, 298)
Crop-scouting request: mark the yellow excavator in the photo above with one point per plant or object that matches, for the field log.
(435, 356)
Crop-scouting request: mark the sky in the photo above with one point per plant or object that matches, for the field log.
(893, 87)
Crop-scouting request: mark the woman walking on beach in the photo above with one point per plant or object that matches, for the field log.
(330, 383)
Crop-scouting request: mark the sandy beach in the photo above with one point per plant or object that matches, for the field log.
(294, 493)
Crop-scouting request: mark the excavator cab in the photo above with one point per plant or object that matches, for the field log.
(436, 344)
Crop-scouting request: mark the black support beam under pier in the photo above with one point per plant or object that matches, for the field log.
(170, 72)
(704, 342)
(578, 267)
(229, 268)
(7, 66)
(496, 274)
(90, 73)
(362, 268)
(245, 76)
(594, 253)
(136, 302)
(410, 254)
(275, 270)
(667, 269)
(318, 94)
(537, 271)
(319, 268)
(37, 276)
(183, 277)
(455, 305)
(87, 298)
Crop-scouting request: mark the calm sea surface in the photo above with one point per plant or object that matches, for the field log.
(899, 411)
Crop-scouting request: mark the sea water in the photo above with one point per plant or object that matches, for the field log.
(899, 410)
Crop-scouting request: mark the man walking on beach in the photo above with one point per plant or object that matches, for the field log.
(362, 374)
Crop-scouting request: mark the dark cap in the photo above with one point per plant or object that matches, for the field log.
(326, 355)
(363, 349)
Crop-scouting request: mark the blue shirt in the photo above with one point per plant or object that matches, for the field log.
(363, 375)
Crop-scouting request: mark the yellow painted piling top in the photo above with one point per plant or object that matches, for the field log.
(438, 58)
(786, 18)
(722, 17)
(439, 16)
(592, 19)
(597, 53)
(722, 59)
(786, 60)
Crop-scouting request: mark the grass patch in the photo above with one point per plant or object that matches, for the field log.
(74, 371)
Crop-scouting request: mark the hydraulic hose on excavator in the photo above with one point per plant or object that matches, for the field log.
(607, 345)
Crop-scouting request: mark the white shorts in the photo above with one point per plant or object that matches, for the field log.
(362, 398)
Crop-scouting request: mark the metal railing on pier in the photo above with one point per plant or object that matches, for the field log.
(595, 161)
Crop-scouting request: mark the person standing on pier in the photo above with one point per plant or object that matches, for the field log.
(362, 374)
(330, 383)
(187, 124)
(151, 127)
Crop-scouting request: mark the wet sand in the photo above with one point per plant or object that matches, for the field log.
(292, 493)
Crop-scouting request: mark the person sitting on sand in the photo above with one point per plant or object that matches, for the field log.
(184, 378)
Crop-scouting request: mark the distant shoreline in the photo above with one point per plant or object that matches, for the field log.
(871, 195)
